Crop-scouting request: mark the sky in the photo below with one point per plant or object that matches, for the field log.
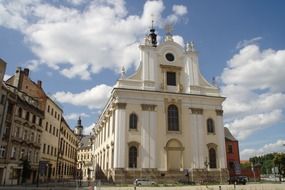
(78, 47)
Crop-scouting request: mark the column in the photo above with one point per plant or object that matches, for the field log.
(120, 135)
(148, 136)
(197, 137)
(221, 137)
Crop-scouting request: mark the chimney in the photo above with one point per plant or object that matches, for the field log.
(39, 83)
(16, 82)
(26, 71)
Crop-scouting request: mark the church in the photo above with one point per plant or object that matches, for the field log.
(164, 122)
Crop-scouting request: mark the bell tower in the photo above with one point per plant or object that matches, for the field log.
(78, 128)
(152, 35)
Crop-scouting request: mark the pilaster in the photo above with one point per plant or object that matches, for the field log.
(148, 136)
(120, 135)
(221, 138)
(198, 146)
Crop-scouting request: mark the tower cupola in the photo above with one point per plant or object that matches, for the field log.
(152, 36)
(78, 128)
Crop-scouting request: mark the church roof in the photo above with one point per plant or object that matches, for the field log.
(85, 141)
(228, 135)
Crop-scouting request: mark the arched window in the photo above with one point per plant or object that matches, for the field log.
(210, 126)
(212, 156)
(173, 121)
(133, 121)
(133, 153)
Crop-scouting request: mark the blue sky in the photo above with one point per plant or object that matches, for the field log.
(77, 48)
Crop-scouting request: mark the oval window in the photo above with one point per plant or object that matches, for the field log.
(169, 57)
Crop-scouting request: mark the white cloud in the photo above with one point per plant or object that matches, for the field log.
(253, 85)
(179, 9)
(6, 77)
(81, 42)
(179, 40)
(178, 12)
(277, 146)
(33, 65)
(94, 98)
(245, 126)
(75, 116)
(245, 43)
(88, 130)
(75, 2)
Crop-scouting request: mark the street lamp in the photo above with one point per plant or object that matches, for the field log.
(206, 163)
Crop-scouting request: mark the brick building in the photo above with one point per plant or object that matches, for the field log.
(232, 152)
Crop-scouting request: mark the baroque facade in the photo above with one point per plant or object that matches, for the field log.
(164, 121)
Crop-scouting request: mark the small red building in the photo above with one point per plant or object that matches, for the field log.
(232, 152)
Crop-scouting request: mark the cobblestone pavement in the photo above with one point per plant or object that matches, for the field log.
(196, 187)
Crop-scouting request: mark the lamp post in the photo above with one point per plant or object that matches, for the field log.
(206, 163)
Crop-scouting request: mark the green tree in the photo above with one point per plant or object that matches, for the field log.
(245, 165)
(279, 162)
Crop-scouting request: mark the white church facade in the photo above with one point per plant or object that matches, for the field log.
(162, 122)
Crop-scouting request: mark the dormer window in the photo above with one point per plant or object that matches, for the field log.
(171, 78)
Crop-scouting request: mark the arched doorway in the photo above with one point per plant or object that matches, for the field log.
(212, 154)
(174, 153)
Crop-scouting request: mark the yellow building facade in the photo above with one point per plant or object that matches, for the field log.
(50, 140)
(66, 161)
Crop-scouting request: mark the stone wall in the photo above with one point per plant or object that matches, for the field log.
(199, 176)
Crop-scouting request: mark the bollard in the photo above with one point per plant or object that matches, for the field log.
(220, 187)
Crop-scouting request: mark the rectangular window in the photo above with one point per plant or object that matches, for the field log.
(28, 116)
(34, 119)
(36, 157)
(29, 155)
(40, 121)
(47, 149)
(17, 133)
(2, 99)
(22, 153)
(171, 78)
(230, 148)
(32, 137)
(46, 126)
(13, 153)
(44, 148)
(39, 139)
(2, 151)
(25, 135)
